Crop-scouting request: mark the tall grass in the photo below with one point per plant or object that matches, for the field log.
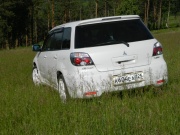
(26, 109)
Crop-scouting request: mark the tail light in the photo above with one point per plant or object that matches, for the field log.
(157, 50)
(81, 59)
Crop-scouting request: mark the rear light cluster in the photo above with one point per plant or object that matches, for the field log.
(81, 59)
(157, 50)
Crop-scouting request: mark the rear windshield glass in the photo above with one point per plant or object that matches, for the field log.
(101, 34)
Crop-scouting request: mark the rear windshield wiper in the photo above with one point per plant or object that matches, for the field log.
(118, 42)
(112, 42)
(124, 43)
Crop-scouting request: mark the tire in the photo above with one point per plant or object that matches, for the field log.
(62, 89)
(36, 76)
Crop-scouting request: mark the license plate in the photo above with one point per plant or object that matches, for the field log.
(128, 78)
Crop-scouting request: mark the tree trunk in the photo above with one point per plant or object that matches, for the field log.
(159, 16)
(65, 17)
(145, 15)
(7, 44)
(105, 8)
(52, 10)
(69, 11)
(69, 15)
(48, 23)
(30, 35)
(155, 14)
(114, 11)
(32, 25)
(80, 13)
(147, 12)
(169, 8)
(96, 13)
(66, 13)
(36, 34)
(16, 43)
(26, 40)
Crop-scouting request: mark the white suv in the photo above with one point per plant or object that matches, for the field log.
(86, 58)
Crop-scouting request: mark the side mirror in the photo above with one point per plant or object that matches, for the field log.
(36, 48)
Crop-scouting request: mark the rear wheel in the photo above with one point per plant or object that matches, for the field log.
(64, 95)
(36, 76)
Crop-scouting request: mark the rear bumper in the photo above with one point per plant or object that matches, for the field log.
(91, 83)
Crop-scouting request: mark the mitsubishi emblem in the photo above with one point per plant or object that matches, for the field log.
(124, 53)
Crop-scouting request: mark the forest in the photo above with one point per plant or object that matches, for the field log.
(26, 22)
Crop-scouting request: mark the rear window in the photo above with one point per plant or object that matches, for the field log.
(101, 34)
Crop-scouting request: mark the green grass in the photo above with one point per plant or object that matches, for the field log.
(26, 109)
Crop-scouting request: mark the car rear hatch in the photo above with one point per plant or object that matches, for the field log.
(116, 44)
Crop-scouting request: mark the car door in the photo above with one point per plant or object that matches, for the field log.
(52, 60)
(59, 57)
(43, 57)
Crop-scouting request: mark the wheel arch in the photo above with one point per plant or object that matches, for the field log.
(59, 73)
(34, 64)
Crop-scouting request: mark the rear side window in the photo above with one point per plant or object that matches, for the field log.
(58, 40)
(66, 38)
(49, 41)
(62, 39)
(111, 33)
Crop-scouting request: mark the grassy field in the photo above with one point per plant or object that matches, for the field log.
(26, 109)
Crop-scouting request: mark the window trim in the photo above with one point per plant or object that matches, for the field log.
(52, 33)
